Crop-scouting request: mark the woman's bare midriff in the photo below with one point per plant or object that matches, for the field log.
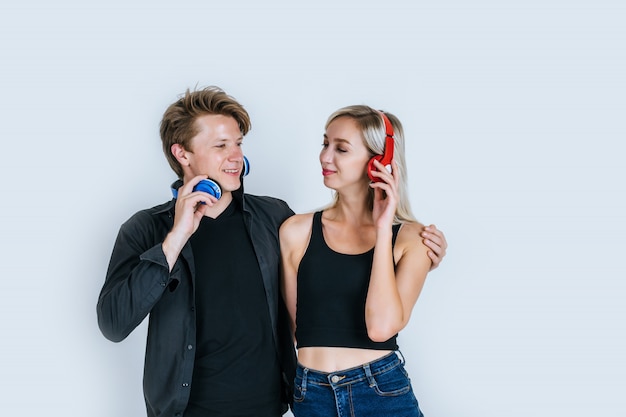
(333, 359)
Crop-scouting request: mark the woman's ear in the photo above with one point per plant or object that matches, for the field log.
(180, 154)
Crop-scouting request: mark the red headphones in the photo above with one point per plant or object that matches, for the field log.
(387, 155)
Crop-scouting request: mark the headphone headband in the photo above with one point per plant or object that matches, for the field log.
(389, 141)
(389, 133)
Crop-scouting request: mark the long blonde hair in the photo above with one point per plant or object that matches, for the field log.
(372, 130)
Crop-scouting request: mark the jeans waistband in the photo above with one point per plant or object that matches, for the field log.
(351, 375)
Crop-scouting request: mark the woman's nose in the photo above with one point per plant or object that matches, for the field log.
(325, 155)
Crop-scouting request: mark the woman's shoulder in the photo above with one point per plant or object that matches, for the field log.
(410, 235)
(297, 227)
(411, 227)
(297, 221)
(295, 233)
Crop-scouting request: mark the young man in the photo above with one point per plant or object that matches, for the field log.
(205, 267)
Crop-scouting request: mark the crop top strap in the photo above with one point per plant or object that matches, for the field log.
(317, 237)
(317, 220)
(395, 229)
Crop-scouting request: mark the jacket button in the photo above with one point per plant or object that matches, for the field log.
(185, 384)
(189, 347)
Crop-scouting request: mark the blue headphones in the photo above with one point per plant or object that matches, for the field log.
(211, 187)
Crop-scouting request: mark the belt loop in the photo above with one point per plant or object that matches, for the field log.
(400, 356)
(305, 374)
(368, 374)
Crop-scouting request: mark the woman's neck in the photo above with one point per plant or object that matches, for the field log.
(351, 209)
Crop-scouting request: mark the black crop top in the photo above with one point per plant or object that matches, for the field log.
(332, 288)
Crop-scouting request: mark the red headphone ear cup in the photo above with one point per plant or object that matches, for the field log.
(371, 167)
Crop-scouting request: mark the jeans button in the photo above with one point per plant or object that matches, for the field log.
(334, 379)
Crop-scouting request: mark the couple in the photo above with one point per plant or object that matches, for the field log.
(205, 267)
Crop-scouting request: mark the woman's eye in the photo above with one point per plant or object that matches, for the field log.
(338, 149)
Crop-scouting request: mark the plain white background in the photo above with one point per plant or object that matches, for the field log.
(514, 118)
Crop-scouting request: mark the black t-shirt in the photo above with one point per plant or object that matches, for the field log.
(236, 371)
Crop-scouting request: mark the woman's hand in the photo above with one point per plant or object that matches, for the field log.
(385, 195)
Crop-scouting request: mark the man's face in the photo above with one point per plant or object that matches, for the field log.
(216, 151)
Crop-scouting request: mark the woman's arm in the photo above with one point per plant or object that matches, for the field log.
(393, 291)
(393, 288)
(294, 236)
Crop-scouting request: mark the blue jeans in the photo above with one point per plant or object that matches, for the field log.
(376, 389)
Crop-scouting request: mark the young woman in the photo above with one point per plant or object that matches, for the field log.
(352, 273)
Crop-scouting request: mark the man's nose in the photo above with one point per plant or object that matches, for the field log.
(236, 153)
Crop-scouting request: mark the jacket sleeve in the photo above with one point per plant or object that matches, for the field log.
(286, 211)
(136, 278)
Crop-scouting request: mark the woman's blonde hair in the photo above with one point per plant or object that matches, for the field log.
(372, 127)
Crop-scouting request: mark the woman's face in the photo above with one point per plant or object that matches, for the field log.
(344, 156)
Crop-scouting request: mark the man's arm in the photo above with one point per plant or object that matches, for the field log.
(137, 276)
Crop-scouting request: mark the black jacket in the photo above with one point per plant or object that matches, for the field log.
(138, 283)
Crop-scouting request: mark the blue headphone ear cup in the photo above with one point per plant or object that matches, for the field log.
(209, 187)
(246, 167)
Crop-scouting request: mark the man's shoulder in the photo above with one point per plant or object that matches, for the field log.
(149, 215)
(267, 203)
(270, 210)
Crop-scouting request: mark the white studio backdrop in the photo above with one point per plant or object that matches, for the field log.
(514, 118)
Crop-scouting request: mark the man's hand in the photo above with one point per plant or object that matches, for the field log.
(190, 207)
(436, 242)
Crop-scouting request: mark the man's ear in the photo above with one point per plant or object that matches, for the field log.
(180, 154)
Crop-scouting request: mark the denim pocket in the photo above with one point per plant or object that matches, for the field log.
(393, 382)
